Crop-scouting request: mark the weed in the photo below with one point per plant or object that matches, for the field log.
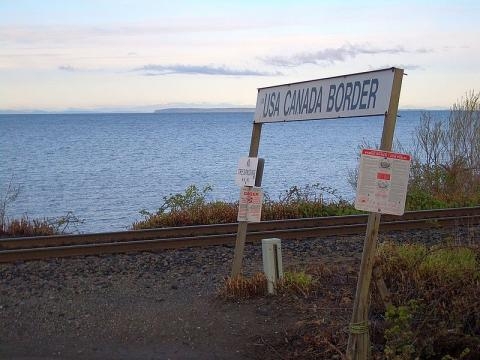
(241, 287)
(296, 282)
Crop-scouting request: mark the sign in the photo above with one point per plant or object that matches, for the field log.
(250, 205)
(362, 94)
(382, 182)
(247, 171)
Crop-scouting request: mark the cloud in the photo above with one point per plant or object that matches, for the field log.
(37, 34)
(67, 68)
(330, 56)
(157, 70)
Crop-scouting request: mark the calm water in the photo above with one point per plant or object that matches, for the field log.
(107, 167)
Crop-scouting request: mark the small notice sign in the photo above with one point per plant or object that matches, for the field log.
(247, 171)
(382, 182)
(250, 205)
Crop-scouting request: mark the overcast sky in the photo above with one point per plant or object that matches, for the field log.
(58, 55)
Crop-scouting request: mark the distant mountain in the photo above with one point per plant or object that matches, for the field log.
(204, 110)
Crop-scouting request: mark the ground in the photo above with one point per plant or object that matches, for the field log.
(167, 305)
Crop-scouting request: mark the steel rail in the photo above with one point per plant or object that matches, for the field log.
(202, 230)
(223, 234)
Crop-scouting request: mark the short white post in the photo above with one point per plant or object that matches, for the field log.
(272, 262)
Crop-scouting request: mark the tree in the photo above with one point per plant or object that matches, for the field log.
(446, 162)
(10, 194)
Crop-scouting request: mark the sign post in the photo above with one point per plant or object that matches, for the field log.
(371, 93)
(358, 346)
(242, 225)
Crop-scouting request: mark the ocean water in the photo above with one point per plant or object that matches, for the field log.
(105, 168)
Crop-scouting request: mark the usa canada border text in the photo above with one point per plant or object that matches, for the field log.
(361, 94)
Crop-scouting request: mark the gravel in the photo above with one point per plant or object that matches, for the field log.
(161, 305)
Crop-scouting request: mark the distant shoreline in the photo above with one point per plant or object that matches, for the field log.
(204, 110)
(173, 110)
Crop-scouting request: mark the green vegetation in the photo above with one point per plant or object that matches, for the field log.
(399, 341)
(296, 282)
(446, 163)
(192, 207)
(292, 283)
(436, 311)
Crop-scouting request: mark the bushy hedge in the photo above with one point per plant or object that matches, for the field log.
(192, 207)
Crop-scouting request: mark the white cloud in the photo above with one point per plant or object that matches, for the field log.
(330, 56)
(155, 70)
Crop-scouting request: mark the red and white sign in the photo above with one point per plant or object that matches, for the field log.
(250, 205)
(382, 181)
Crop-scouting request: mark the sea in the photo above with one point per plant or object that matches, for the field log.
(104, 169)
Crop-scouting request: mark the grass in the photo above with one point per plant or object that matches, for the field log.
(26, 227)
(297, 282)
(292, 282)
(241, 287)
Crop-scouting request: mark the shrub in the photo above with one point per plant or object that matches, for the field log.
(399, 337)
(446, 165)
(192, 207)
(435, 293)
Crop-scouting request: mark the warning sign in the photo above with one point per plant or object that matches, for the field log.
(382, 182)
(250, 205)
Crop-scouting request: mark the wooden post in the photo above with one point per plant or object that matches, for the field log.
(358, 347)
(242, 225)
(382, 287)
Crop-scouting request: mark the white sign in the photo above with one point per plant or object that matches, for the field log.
(382, 182)
(250, 205)
(247, 171)
(362, 94)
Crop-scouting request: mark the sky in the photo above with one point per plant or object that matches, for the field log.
(140, 55)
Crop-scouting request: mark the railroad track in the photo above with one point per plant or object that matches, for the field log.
(43, 247)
